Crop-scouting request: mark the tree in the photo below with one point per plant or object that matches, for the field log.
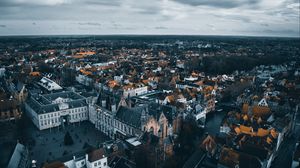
(145, 156)
(68, 139)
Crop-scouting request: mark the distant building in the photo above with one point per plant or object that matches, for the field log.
(84, 80)
(9, 107)
(2, 72)
(49, 84)
(9, 110)
(130, 91)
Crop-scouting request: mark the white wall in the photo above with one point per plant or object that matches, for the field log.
(102, 163)
(135, 91)
(52, 119)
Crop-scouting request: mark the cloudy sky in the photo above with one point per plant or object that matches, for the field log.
(200, 17)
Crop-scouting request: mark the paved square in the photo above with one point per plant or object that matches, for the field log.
(47, 145)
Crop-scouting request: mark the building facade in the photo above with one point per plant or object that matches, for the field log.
(135, 91)
(56, 109)
(123, 121)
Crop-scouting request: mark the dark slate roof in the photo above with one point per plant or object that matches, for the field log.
(108, 97)
(89, 94)
(130, 116)
(64, 94)
(19, 157)
(195, 160)
(120, 162)
(249, 161)
(96, 155)
(155, 110)
(255, 150)
(40, 104)
(281, 123)
(19, 86)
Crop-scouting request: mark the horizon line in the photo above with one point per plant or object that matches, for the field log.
(124, 34)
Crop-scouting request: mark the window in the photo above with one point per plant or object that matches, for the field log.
(99, 163)
(104, 163)
(95, 164)
(41, 117)
(82, 163)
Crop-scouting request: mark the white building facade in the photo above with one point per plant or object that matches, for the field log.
(130, 92)
(56, 109)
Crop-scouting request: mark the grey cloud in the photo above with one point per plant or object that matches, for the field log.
(123, 16)
(245, 19)
(264, 24)
(103, 2)
(148, 12)
(32, 3)
(281, 32)
(219, 3)
(89, 24)
(160, 27)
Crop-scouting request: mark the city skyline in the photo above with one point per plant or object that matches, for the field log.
(165, 17)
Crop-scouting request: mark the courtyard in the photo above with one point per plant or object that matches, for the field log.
(48, 145)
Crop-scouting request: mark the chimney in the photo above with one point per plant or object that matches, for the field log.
(113, 108)
(86, 157)
(103, 103)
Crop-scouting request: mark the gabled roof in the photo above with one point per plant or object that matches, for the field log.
(121, 162)
(19, 156)
(130, 116)
(156, 110)
(263, 102)
(96, 155)
(195, 159)
(54, 165)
